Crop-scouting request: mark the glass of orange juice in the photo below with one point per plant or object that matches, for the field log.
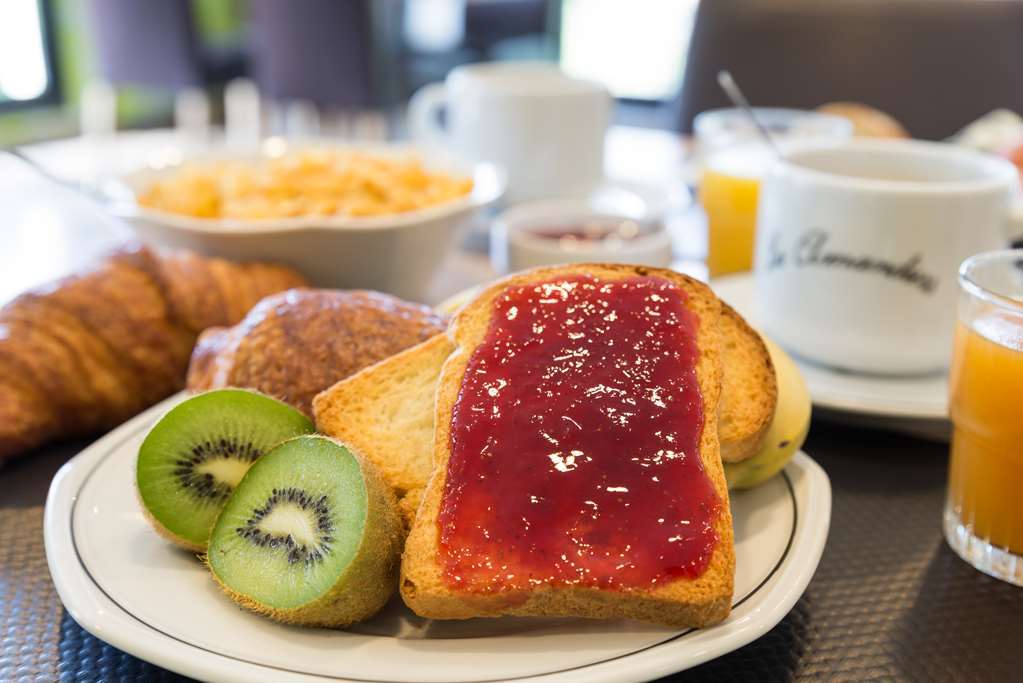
(733, 159)
(984, 508)
(729, 189)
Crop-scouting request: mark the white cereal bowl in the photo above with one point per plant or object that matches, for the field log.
(399, 253)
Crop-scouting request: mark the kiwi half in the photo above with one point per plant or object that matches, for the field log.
(197, 453)
(310, 536)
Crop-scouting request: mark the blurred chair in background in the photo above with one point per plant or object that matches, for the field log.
(315, 57)
(433, 41)
(512, 29)
(443, 34)
(155, 44)
(934, 66)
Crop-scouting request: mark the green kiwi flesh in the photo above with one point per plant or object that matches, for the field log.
(311, 535)
(197, 453)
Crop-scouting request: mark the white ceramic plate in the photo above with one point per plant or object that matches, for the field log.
(900, 398)
(126, 585)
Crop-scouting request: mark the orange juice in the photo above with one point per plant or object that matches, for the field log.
(986, 473)
(729, 188)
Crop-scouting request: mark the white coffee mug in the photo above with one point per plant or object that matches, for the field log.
(858, 245)
(544, 127)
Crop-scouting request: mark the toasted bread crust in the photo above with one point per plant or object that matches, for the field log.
(749, 388)
(686, 602)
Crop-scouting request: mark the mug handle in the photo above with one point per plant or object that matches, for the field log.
(422, 115)
(1014, 222)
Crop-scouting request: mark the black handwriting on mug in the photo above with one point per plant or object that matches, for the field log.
(810, 250)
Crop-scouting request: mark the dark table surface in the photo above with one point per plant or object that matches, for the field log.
(889, 601)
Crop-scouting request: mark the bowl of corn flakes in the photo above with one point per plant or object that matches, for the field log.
(377, 217)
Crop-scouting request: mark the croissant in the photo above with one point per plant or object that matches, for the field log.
(295, 344)
(85, 353)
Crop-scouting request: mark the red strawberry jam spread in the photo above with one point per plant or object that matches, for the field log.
(575, 442)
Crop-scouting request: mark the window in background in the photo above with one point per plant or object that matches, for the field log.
(434, 25)
(26, 61)
(636, 48)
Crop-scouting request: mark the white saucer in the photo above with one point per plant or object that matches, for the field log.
(898, 398)
(126, 585)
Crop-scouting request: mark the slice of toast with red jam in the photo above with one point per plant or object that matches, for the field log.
(577, 465)
(387, 409)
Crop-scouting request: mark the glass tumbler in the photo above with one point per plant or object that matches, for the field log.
(733, 159)
(984, 507)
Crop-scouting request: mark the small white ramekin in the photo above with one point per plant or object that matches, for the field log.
(514, 247)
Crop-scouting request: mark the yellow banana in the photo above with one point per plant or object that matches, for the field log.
(788, 429)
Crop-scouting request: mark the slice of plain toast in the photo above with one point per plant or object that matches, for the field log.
(386, 410)
(683, 602)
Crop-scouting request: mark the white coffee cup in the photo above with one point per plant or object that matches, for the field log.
(544, 127)
(858, 245)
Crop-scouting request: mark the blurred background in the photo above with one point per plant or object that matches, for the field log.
(70, 66)
(193, 74)
(314, 59)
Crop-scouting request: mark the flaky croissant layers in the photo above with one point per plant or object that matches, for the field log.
(85, 353)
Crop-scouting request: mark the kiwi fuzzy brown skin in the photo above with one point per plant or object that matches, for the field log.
(166, 533)
(371, 578)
